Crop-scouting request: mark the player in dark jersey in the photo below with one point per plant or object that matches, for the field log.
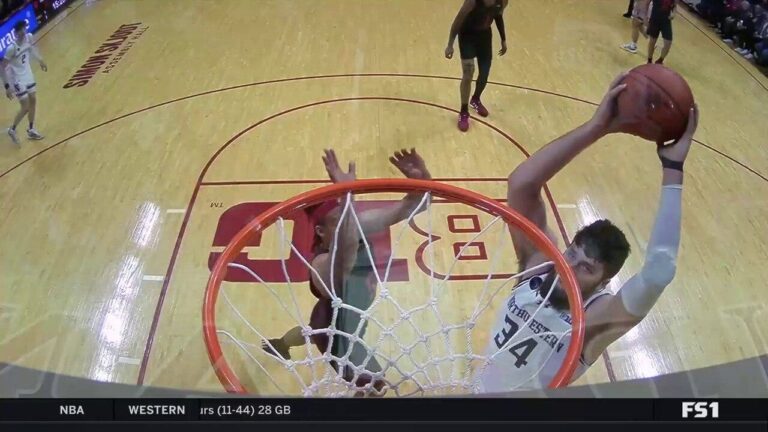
(473, 27)
(354, 282)
(660, 21)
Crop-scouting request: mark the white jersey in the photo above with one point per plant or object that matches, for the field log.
(18, 56)
(531, 344)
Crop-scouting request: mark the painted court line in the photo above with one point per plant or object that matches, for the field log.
(566, 206)
(129, 360)
(153, 278)
(176, 211)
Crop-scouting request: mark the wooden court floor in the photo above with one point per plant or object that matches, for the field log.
(108, 224)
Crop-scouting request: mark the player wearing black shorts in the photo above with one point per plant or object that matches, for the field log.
(473, 27)
(660, 22)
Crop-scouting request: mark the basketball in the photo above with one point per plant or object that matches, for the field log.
(655, 104)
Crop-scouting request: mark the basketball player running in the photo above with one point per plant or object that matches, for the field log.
(19, 80)
(639, 15)
(353, 282)
(531, 348)
(473, 27)
(660, 22)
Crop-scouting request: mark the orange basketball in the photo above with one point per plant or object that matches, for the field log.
(655, 104)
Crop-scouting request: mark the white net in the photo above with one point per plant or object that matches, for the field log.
(427, 336)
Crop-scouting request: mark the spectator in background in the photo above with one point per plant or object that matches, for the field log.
(732, 14)
(743, 23)
(9, 6)
(745, 29)
(761, 41)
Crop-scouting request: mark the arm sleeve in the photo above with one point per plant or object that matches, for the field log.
(641, 292)
(500, 26)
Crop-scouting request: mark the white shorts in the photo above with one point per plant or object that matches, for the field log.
(639, 12)
(23, 90)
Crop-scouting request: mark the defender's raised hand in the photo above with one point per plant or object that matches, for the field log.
(336, 174)
(410, 164)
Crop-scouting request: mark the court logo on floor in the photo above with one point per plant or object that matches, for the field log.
(109, 53)
(456, 236)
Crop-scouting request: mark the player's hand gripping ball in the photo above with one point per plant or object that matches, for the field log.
(655, 104)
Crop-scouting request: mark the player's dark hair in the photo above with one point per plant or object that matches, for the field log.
(604, 241)
(316, 215)
(20, 25)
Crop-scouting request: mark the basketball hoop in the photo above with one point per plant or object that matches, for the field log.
(430, 375)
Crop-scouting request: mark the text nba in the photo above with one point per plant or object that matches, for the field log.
(701, 409)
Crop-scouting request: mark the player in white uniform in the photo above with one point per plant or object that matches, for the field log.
(19, 80)
(531, 334)
(640, 14)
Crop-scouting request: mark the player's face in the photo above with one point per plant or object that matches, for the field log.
(589, 275)
(589, 272)
(327, 229)
(20, 32)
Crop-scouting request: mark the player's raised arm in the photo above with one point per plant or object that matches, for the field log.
(342, 252)
(611, 317)
(466, 8)
(525, 183)
(412, 166)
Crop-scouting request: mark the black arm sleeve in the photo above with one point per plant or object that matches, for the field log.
(500, 26)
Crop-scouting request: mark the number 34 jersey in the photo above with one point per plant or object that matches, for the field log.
(529, 341)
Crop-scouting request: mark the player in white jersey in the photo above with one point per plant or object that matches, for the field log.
(531, 334)
(19, 80)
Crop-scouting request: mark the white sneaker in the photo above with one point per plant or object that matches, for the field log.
(33, 134)
(630, 47)
(14, 137)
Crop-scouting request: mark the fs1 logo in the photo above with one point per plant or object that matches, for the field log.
(462, 229)
(701, 409)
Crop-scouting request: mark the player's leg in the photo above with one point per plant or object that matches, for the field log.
(651, 48)
(21, 95)
(636, 26)
(361, 358)
(653, 36)
(666, 46)
(654, 29)
(281, 347)
(666, 34)
(468, 73)
(32, 133)
(484, 59)
(367, 376)
(468, 50)
(319, 319)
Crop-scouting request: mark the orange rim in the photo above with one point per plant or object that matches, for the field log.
(224, 372)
